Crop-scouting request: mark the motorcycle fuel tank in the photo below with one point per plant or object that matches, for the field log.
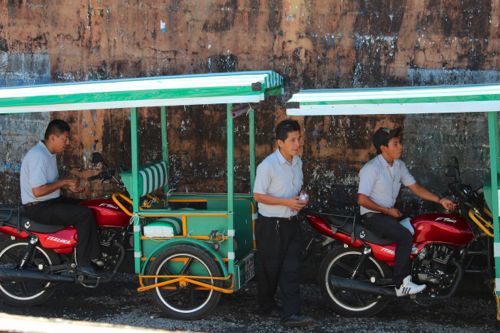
(443, 228)
(107, 213)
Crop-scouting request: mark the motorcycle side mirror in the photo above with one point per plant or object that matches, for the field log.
(97, 158)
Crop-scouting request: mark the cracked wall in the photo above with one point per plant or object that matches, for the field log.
(313, 44)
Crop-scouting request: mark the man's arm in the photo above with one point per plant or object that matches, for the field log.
(425, 194)
(366, 202)
(293, 203)
(45, 189)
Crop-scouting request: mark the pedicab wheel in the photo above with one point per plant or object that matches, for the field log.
(341, 262)
(25, 293)
(184, 300)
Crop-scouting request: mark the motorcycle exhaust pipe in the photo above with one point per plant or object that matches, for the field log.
(24, 275)
(343, 283)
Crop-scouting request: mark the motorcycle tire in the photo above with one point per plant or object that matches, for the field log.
(183, 300)
(25, 293)
(341, 262)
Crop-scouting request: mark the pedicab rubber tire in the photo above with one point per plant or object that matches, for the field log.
(210, 264)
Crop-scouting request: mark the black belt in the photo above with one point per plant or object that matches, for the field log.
(369, 215)
(280, 219)
(34, 203)
(31, 204)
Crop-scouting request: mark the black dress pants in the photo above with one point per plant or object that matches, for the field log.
(278, 263)
(390, 228)
(67, 211)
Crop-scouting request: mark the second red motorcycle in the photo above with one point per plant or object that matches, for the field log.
(355, 276)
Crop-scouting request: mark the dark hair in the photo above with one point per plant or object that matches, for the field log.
(383, 135)
(57, 127)
(285, 127)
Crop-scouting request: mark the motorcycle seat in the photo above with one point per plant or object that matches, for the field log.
(9, 217)
(346, 224)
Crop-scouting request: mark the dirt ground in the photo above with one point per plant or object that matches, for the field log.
(472, 310)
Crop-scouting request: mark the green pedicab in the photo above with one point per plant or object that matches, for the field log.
(189, 248)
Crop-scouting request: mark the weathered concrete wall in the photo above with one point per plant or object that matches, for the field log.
(313, 44)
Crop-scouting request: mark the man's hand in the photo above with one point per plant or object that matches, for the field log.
(447, 204)
(393, 212)
(296, 204)
(73, 185)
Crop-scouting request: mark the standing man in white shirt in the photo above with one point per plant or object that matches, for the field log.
(41, 195)
(379, 183)
(277, 186)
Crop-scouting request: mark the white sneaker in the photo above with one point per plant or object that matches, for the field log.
(409, 288)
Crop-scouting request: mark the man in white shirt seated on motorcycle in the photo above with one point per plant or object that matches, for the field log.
(379, 183)
(42, 201)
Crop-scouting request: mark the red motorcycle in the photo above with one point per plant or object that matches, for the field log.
(35, 258)
(355, 277)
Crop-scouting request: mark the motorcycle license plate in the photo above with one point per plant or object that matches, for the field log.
(249, 267)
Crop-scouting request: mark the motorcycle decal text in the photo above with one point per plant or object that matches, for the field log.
(108, 206)
(446, 219)
(59, 240)
(387, 250)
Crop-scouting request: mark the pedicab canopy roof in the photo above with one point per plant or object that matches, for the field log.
(200, 89)
(400, 100)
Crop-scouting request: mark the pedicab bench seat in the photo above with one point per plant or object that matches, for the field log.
(151, 178)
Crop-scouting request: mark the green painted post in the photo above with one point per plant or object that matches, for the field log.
(493, 137)
(135, 188)
(251, 132)
(164, 141)
(230, 186)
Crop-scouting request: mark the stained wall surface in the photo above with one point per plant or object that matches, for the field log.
(313, 44)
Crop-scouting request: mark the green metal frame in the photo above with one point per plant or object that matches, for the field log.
(188, 241)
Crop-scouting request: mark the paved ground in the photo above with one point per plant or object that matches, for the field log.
(120, 304)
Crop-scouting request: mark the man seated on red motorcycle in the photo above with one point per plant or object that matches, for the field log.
(379, 183)
(41, 195)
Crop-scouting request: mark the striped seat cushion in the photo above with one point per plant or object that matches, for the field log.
(151, 178)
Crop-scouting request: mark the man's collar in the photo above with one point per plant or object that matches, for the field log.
(283, 160)
(41, 143)
(384, 161)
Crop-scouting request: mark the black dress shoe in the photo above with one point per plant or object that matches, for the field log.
(296, 321)
(88, 271)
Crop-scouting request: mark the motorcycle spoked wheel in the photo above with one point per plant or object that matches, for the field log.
(25, 293)
(341, 262)
(185, 301)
